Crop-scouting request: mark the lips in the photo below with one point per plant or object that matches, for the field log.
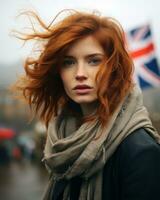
(82, 87)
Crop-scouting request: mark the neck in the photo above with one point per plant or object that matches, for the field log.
(88, 108)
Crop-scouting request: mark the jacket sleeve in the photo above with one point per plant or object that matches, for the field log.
(140, 171)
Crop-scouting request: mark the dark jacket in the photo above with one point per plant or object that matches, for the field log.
(132, 173)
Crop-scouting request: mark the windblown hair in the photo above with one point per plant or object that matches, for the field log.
(42, 86)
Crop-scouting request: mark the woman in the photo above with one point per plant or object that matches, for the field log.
(100, 141)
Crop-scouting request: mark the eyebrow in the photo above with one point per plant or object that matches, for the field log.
(87, 56)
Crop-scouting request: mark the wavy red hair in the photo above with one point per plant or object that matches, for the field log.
(42, 86)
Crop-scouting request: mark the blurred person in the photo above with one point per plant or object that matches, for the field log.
(4, 153)
(16, 152)
(100, 141)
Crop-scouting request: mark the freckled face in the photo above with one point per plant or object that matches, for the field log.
(79, 68)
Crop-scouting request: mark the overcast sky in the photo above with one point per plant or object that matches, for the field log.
(129, 13)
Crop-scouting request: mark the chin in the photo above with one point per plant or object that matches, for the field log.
(84, 100)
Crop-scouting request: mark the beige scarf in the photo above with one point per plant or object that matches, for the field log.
(71, 152)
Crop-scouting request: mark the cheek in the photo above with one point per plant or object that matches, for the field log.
(65, 75)
(93, 75)
(65, 79)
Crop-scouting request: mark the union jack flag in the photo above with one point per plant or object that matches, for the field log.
(141, 47)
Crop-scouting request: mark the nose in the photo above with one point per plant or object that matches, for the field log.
(81, 73)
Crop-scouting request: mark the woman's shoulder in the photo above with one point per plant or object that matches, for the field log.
(139, 146)
(139, 140)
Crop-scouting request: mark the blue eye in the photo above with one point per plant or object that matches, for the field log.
(95, 61)
(68, 62)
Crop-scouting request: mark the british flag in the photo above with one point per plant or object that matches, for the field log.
(141, 47)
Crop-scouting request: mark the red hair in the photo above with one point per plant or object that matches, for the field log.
(42, 86)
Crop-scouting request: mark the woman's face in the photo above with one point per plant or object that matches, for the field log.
(79, 68)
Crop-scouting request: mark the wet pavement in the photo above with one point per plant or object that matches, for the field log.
(22, 181)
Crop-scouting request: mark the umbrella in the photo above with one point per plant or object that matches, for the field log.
(6, 133)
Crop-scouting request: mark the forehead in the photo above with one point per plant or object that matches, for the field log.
(85, 46)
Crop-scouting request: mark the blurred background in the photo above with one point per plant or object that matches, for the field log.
(22, 174)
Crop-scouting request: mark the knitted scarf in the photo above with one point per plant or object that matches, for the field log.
(71, 152)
